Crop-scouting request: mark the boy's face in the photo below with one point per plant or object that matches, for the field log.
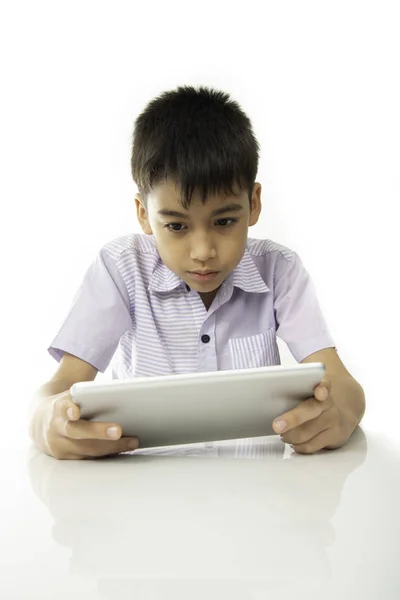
(204, 238)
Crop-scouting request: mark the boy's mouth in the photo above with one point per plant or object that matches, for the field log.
(203, 275)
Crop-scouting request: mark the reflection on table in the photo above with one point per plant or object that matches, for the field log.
(233, 518)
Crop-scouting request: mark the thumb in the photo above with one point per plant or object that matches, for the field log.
(323, 390)
(129, 444)
(71, 410)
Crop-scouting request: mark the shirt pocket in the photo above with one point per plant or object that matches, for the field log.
(259, 350)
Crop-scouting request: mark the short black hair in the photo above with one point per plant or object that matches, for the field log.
(200, 137)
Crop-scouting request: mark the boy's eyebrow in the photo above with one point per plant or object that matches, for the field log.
(164, 212)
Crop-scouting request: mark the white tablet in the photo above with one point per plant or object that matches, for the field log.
(198, 407)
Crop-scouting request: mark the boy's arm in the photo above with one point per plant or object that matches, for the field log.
(99, 316)
(55, 425)
(71, 369)
(329, 418)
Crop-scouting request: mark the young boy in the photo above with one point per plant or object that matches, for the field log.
(193, 293)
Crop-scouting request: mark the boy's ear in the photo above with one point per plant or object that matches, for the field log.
(142, 215)
(255, 204)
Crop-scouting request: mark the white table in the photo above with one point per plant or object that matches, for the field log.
(244, 520)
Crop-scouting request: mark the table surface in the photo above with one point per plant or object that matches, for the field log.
(234, 519)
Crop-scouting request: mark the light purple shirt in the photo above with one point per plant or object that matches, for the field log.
(132, 310)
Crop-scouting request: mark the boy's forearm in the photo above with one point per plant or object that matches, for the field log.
(51, 388)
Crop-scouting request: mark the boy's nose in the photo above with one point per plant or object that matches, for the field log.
(202, 250)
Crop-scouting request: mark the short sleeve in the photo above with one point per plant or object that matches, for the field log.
(298, 316)
(99, 316)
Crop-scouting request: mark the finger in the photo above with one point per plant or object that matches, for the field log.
(305, 411)
(68, 409)
(90, 430)
(323, 390)
(99, 448)
(305, 432)
(316, 443)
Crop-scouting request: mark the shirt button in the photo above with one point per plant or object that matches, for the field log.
(205, 339)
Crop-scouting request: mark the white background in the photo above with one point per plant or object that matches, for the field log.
(320, 82)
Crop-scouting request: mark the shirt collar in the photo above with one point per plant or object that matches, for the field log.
(245, 276)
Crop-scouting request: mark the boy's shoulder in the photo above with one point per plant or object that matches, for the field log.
(266, 248)
(132, 243)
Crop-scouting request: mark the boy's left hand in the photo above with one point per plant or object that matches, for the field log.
(316, 423)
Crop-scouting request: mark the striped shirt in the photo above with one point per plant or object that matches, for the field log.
(133, 313)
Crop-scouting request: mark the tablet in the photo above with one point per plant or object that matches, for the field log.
(198, 407)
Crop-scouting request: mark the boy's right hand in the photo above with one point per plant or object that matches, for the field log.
(66, 436)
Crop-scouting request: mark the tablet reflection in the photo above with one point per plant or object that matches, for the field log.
(230, 519)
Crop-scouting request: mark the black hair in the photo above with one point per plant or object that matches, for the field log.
(200, 137)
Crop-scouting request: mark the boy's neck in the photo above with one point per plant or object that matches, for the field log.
(208, 297)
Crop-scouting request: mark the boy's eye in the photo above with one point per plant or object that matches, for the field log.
(178, 227)
(174, 226)
(224, 222)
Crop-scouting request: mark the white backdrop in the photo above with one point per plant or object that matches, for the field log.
(320, 81)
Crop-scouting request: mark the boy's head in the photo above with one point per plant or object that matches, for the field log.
(195, 160)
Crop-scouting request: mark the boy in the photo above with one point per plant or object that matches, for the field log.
(193, 293)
